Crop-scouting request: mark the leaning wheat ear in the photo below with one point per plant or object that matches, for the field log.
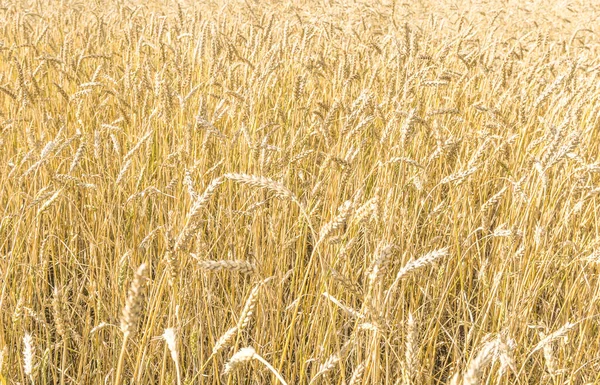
(249, 307)
(278, 189)
(247, 354)
(357, 375)
(256, 181)
(194, 215)
(225, 340)
(416, 264)
(481, 361)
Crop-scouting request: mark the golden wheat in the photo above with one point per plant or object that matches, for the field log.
(364, 192)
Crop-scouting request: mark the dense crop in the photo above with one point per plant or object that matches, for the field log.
(308, 192)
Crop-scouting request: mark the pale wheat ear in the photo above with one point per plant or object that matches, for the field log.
(194, 215)
(411, 352)
(225, 340)
(256, 181)
(133, 303)
(357, 375)
(237, 266)
(170, 340)
(245, 355)
(131, 315)
(58, 310)
(248, 311)
(476, 367)
(415, 265)
(28, 355)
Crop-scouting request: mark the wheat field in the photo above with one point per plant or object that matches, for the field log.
(306, 192)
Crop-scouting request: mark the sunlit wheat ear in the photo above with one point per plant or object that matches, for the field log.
(170, 339)
(248, 311)
(459, 176)
(333, 360)
(338, 222)
(123, 171)
(245, 355)
(256, 181)
(560, 333)
(171, 261)
(78, 155)
(417, 264)
(97, 144)
(346, 282)
(377, 269)
(549, 358)
(58, 310)
(411, 352)
(490, 203)
(366, 210)
(50, 201)
(28, 355)
(137, 146)
(18, 312)
(548, 91)
(407, 128)
(115, 144)
(479, 363)
(237, 266)
(357, 375)
(239, 358)
(189, 184)
(225, 340)
(327, 366)
(195, 214)
(133, 304)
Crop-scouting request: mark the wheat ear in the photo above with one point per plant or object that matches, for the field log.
(131, 314)
(247, 354)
